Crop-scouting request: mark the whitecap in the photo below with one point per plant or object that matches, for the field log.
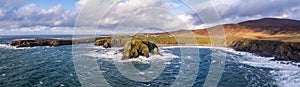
(286, 75)
(7, 46)
(113, 53)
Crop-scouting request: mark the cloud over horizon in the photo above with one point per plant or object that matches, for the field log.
(20, 16)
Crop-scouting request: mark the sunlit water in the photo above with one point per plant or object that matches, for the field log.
(54, 66)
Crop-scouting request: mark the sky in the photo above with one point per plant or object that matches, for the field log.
(34, 17)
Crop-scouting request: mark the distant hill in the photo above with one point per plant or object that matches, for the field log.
(266, 28)
(273, 25)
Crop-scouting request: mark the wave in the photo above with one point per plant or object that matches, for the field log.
(116, 55)
(285, 73)
(7, 46)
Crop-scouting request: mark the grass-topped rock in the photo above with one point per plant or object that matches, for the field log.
(40, 42)
(137, 47)
(133, 48)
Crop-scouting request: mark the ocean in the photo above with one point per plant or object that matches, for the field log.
(88, 65)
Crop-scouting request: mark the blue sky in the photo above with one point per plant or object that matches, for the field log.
(59, 16)
(67, 4)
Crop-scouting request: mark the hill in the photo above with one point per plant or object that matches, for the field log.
(267, 29)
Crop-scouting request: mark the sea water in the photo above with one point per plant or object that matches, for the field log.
(55, 66)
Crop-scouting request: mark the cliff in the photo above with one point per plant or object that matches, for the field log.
(287, 51)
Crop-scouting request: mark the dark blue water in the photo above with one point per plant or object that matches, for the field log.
(54, 66)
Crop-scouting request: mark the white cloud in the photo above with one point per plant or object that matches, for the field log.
(134, 15)
(2, 12)
(31, 15)
(138, 14)
(234, 11)
(39, 30)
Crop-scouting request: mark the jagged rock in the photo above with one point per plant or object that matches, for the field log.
(288, 51)
(136, 48)
(40, 42)
(60, 42)
(133, 49)
(106, 43)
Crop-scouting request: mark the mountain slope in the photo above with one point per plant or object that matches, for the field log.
(273, 25)
(265, 29)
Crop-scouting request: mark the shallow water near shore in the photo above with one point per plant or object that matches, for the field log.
(54, 66)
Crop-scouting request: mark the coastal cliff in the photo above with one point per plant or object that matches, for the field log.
(287, 51)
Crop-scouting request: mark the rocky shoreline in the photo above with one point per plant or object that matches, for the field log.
(286, 51)
(40, 42)
(283, 51)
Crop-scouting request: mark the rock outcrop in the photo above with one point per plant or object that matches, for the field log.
(137, 47)
(133, 48)
(287, 51)
(106, 43)
(40, 42)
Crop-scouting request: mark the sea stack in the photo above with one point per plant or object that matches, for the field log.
(137, 47)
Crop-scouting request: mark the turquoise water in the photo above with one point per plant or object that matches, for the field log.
(55, 66)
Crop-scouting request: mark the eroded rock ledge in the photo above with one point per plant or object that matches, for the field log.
(287, 51)
(40, 42)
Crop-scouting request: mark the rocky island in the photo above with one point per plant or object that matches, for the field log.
(40, 42)
(133, 48)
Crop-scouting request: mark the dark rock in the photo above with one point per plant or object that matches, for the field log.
(287, 51)
(40, 42)
(106, 43)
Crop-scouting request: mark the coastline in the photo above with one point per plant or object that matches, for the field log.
(285, 51)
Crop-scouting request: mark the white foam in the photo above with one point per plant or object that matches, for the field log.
(7, 46)
(113, 53)
(24, 39)
(286, 75)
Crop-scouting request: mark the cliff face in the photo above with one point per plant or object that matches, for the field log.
(288, 51)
